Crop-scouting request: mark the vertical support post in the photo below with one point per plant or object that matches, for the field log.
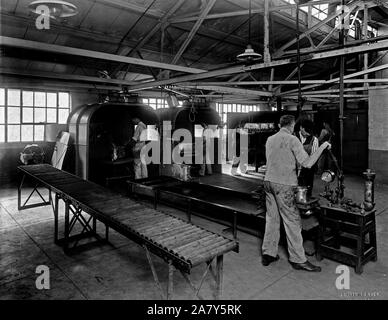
(365, 32)
(299, 106)
(219, 276)
(267, 56)
(56, 205)
(272, 76)
(170, 287)
(67, 227)
(310, 17)
(342, 85)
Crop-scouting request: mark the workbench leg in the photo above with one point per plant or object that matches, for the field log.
(20, 192)
(219, 275)
(372, 238)
(170, 287)
(56, 203)
(188, 212)
(67, 228)
(155, 199)
(360, 245)
(320, 235)
(106, 233)
(234, 225)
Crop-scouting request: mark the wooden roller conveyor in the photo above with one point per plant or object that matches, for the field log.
(181, 244)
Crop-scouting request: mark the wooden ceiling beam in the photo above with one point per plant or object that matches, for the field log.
(194, 30)
(373, 46)
(63, 50)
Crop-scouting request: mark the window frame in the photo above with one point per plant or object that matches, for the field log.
(32, 123)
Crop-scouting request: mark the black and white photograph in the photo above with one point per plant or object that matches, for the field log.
(215, 153)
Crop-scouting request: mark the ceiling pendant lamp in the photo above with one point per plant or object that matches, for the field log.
(57, 8)
(249, 54)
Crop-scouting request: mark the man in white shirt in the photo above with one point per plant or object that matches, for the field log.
(283, 152)
(139, 163)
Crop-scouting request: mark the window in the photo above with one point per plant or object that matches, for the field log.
(224, 108)
(24, 113)
(157, 103)
(318, 11)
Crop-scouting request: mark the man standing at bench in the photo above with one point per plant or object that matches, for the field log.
(284, 151)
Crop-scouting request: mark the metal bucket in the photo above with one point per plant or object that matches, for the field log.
(301, 194)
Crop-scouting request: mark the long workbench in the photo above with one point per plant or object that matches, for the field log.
(181, 244)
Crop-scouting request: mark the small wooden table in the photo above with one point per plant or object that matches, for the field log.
(347, 236)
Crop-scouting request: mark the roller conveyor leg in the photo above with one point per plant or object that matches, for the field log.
(56, 203)
(155, 275)
(170, 287)
(67, 228)
(219, 274)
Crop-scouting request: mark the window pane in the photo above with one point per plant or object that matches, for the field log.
(40, 99)
(28, 98)
(2, 97)
(13, 97)
(28, 115)
(152, 100)
(39, 133)
(13, 133)
(13, 115)
(62, 115)
(145, 101)
(52, 115)
(40, 115)
(27, 133)
(2, 133)
(51, 100)
(2, 115)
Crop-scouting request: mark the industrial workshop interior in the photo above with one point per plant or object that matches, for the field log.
(194, 150)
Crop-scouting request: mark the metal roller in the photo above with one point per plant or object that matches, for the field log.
(164, 235)
(170, 240)
(167, 231)
(206, 248)
(157, 223)
(135, 217)
(166, 226)
(190, 239)
(190, 247)
(210, 254)
(134, 224)
(178, 239)
(128, 209)
(174, 238)
(133, 211)
(201, 247)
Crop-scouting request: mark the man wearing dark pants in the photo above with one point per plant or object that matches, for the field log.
(284, 151)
